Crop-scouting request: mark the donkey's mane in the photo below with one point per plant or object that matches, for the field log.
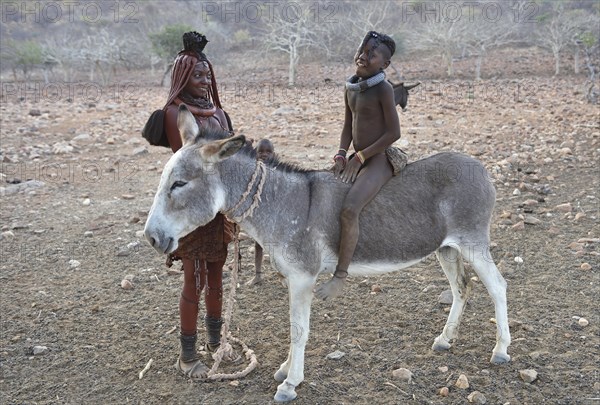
(213, 134)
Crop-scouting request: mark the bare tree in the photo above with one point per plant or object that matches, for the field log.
(558, 28)
(102, 53)
(483, 35)
(368, 16)
(63, 49)
(441, 36)
(588, 42)
(290, 33)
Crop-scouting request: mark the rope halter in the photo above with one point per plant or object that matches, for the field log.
(259, 176)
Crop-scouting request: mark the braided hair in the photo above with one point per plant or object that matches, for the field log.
(379, 40)
(183, 66)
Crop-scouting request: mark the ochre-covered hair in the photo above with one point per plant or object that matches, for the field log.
(183, 66)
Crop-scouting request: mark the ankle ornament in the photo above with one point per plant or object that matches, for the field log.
(188, 348)
(213, 331)
(340, 273)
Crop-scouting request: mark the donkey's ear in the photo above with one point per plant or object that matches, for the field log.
(412, 86)
(216, 151)
(186, 123)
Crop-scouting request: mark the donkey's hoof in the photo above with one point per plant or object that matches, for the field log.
(440, 345)
(285, 393)
(280, 376)
(499, 358)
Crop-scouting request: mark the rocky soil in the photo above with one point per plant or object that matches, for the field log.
(77, 182)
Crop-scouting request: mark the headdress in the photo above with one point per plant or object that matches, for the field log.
(194, 42)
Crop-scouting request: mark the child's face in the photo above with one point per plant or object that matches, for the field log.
(371, 60)
(264, 151)
(199, 81)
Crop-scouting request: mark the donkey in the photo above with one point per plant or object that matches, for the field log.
(401, 93)
(440, 204)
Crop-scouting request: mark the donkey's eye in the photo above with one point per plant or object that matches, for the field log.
(177, 184)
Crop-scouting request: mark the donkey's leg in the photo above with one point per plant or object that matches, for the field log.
(496, 285)
(451, 262)
(282, 373)
(300, 293)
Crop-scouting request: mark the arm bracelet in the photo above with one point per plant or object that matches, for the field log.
(360, 157)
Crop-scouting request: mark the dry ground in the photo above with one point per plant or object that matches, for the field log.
(535, 135)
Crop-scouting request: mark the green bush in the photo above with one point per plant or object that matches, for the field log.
(167, 43)
(23, 55)
(241, 37)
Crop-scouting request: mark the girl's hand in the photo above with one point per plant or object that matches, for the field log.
(351, 171)
(338, 167)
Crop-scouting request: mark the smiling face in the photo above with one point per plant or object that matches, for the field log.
(199, 82)
(371, 59)
(264, 150)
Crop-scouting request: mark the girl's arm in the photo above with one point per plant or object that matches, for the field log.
(346, 137)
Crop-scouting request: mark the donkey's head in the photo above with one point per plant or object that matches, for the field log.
(190, 193)
(401, 93)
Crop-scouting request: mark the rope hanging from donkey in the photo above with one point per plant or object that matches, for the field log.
(261, 170)
(225, 349)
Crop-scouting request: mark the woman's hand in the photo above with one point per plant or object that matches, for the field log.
(351, 170)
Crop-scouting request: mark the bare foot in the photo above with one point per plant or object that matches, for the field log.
(192, 369)
(256, 280)
(330, 289)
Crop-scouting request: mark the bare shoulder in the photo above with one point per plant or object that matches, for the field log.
(172, 111)
(385, 87)
(221, 117)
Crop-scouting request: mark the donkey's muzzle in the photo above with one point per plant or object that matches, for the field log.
(159, 242)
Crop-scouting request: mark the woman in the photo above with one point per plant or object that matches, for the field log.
(204, 251)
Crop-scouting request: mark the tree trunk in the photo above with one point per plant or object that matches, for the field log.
(576, 61)
(449, 65)
(292, 67)
(592, 95)
(396, 72)
(165, 80)
(478, 63)
(556, 63)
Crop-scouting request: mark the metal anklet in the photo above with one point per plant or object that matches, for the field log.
(337, 271)
(188, 348)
